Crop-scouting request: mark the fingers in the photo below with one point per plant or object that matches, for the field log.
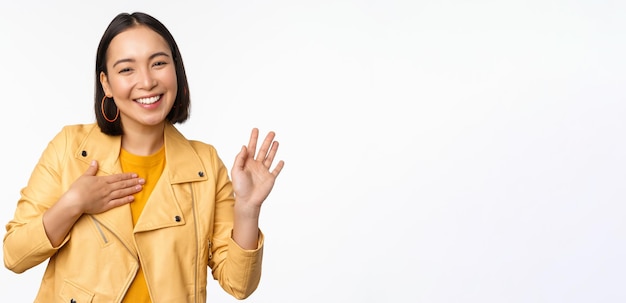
(270, 156)
(278, 168)
(120, 193)
(92, 169)
(123, 186)
(254, 137)
(124, 177)
(267, 151)
(265, 147)
(121, 201)
(127, 189)
(240, 159)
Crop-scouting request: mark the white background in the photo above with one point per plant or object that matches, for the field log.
(436, 151)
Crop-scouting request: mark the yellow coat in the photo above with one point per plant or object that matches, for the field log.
(184, 228)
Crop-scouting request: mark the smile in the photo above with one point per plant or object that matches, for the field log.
(149, 100)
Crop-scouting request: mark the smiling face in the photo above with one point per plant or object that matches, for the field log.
(141, 77)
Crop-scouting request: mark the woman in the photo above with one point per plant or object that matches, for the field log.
(127, 209)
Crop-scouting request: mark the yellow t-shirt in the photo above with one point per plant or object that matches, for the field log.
(149, 168)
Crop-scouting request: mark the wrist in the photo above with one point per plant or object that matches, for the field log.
(246, 211)
(70, 206)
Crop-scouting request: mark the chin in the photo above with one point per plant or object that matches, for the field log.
(154, 122)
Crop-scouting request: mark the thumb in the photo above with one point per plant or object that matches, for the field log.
(93, 168)
(240, 159)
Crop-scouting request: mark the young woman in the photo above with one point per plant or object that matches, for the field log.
(127, 209)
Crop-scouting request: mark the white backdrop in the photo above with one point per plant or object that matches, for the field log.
(436, 151)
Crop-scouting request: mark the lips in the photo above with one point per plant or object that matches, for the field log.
(149, 100)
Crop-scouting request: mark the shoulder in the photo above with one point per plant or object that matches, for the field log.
(186, 153)
(179, 141)
(202, 147)
(74, 132)
(206, 152)
(66, 141)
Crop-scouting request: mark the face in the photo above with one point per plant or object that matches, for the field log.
(141, 77)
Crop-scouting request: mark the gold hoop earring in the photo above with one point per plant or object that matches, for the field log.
(104, 114)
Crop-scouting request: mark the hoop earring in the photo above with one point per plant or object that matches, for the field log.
(104, 114)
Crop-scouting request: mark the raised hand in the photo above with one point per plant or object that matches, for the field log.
(251, 175)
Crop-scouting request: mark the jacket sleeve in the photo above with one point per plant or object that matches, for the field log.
(25, 243)
(238, 271)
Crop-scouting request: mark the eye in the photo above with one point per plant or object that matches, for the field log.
(125, 70)
(159, 63)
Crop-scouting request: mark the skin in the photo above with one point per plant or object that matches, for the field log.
(140, 67)
(252, 183)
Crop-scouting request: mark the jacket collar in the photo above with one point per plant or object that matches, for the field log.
(182, 162)
(181, 159)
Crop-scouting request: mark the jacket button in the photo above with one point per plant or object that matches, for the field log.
(177, 218)
(84, 153)
(201, 173)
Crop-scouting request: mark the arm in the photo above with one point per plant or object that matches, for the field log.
(25, 243)
(45, 213)
(237, 242)
(91, 195)
(252, 183)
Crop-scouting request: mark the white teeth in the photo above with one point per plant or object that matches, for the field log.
(148, 100)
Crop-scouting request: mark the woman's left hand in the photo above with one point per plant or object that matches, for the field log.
(251, 176)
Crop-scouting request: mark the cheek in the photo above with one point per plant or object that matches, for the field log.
(171, 80)
(120, 86)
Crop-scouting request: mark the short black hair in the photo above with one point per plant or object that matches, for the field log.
(123, 21)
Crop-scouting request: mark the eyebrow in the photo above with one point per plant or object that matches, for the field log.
(133, 60)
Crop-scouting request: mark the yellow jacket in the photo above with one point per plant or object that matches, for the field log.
(185, 226)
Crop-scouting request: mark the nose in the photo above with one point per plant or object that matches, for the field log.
(147, 80)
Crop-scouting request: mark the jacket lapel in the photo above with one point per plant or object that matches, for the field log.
(106, 149)
(182, 165)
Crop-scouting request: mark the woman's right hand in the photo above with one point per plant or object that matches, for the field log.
(96, 194)
(89, 194)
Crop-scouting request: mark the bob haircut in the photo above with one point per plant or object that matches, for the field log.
(122, 22)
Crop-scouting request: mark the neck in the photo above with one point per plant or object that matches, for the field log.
(143, 141)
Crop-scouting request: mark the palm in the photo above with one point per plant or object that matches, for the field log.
(252, 179)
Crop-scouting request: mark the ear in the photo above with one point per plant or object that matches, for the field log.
(104, 81)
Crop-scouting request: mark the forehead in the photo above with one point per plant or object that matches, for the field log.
(136, 42)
